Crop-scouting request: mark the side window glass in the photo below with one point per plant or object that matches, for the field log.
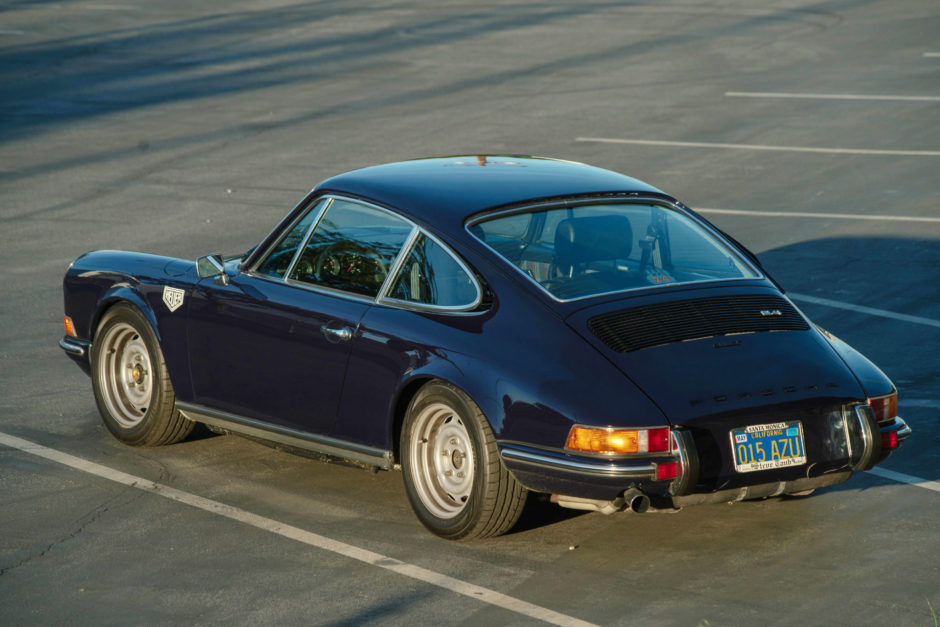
(351, 249)
(431, 276)
(278, 260)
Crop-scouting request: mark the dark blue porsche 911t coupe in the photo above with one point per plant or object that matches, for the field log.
(492, 326)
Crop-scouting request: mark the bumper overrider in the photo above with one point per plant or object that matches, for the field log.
(78, 350)
(608, 485)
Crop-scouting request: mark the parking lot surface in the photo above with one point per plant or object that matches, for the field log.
(810, 130)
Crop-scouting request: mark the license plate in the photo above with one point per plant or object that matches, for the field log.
(765, 447)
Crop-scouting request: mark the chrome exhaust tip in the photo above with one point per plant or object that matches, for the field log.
(636, 501)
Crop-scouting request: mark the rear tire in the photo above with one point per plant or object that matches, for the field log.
(131, 383)
(455, 480)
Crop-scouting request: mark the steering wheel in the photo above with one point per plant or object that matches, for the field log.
(348, 262)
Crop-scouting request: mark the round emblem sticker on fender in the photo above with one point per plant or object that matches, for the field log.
(173, 297)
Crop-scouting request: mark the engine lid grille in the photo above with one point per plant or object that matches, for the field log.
(654, 325)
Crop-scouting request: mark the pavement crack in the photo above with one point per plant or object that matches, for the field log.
(83, 523)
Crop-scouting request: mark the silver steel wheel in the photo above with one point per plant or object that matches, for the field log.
(126, 374)
(443, 461)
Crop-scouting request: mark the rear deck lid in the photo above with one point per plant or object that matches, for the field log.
(701, 352)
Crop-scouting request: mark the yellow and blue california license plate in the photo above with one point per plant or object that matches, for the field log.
(765, 447)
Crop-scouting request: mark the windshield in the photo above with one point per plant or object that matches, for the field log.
(577, 252)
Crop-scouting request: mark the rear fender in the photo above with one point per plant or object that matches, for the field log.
(874, 382)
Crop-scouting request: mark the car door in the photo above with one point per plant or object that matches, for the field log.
(272, 343)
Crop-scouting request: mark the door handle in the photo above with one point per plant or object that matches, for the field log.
(343, 334)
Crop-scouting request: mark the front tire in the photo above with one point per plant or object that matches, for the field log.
(455, 481)
(131, 383)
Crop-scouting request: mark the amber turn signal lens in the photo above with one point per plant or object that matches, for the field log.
(613, 441)
(595, 440)
(69, 327)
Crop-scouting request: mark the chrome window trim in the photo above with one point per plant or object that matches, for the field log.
(632, 200)
(332, 291)
(383, 299)
(306, 239)
(287, 229)
(399, 261)
(380, 298)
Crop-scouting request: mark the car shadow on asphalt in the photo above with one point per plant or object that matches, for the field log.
(539, 512)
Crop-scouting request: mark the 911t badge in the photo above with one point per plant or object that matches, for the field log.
(173, 297)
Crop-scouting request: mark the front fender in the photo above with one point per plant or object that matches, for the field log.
(124, 292)
(97, 280)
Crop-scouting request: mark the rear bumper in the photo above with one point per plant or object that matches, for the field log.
(762, 490)
(893, 435)
(601, 478)
(605, 479)
(898, 426)
(555, 472)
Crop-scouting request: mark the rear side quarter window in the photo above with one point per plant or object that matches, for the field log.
(431, 276)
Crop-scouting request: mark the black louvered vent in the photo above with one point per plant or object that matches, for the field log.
(654, 325)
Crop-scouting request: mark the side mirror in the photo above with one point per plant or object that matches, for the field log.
(210, 266)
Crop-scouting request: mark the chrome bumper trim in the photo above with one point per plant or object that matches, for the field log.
(581, 466)
(689, 463)
(73, 347)
(865, 439)
(898, 425)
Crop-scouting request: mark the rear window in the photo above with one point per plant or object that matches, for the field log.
(577, 252)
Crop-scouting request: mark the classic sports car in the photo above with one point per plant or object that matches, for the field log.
(492, 326)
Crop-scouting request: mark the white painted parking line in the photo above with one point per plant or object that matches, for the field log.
(902, 478)
(838, 151)
(807, 214)
(109, 7)
(771, 95)
(871, 311)
(473, 591)
(932, 54)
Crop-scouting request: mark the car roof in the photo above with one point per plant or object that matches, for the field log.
(445, 191)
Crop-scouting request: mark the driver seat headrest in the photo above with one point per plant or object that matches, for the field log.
(593, 238)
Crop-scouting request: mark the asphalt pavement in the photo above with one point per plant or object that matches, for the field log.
(809, 130)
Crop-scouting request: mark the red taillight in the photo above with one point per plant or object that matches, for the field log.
(668, 470)
(885, 407)
(889, 441)
(659, 441)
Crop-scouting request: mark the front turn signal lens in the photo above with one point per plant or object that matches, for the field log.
(611, 441)
(885, 407)
(69, 326)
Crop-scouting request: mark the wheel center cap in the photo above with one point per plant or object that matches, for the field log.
(456, 458)
(137, 374)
